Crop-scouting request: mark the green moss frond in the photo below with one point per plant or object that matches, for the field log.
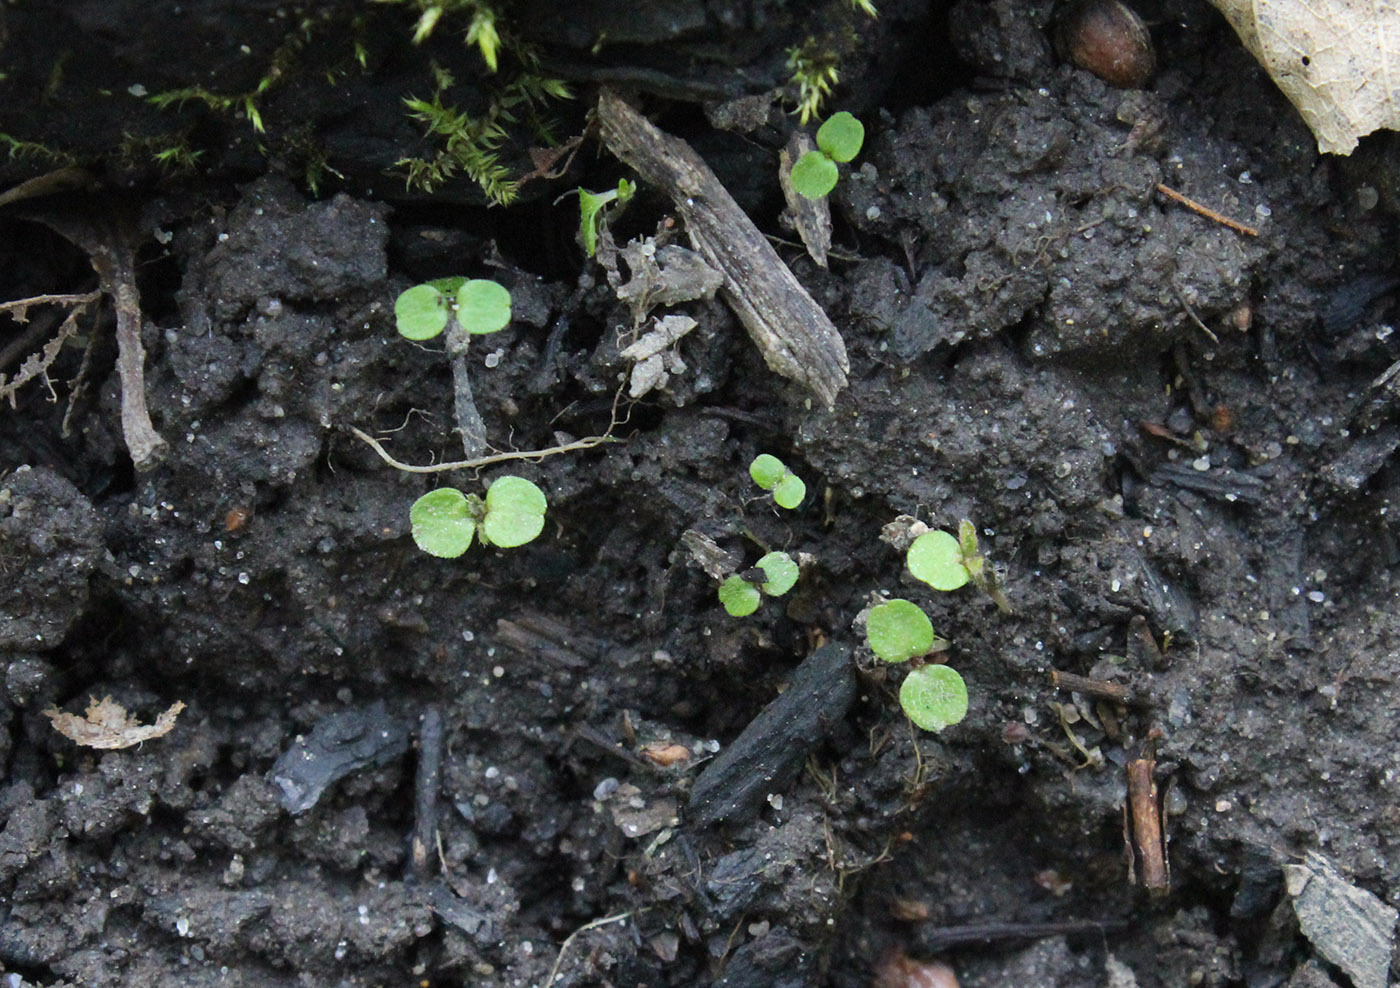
(814, 73)
(20, 150)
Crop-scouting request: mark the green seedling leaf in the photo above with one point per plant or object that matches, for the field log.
(739, 597)
(443, 522)
(790, 492)
(421, 312)
(483, 306)
(813, 175)
(591, 215)
(781, 571)
(449, 286)
(514, 512)
(590, 209)
(937, 559)
(841, 138)
(934, 697)
(767, 470)
(971, 557)
(898, 630)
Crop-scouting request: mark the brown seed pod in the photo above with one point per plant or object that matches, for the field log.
(1108, 39)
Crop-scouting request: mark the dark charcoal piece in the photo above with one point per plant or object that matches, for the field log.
(769, 752)
(1220, 483)
(775, 961)
(1347, 305)
(340, 744)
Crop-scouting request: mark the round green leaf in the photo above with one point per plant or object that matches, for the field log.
(767, 470)
(898, 630)
(514, 512)
(814, 175)
(442, 523)
(509, 529)
(782, 573)
(841, 136)
(739, 597)
(483, 306)
(420, 313)
(936, 558)
(934, 697)
(790, 491)
(512, 493)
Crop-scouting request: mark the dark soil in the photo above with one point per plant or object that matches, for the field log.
(1171, 438)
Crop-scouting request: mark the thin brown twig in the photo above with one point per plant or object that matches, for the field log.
(1181, 297)
(482, 461)
(1206, 211)
(568, 941)
(20, 304)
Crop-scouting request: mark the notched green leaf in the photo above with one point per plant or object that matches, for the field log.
(443, 522)
(739, 597)
(936, 558)
(814, 175)
(898, 630)
(782, 573)
(421, 312)
(841, 136)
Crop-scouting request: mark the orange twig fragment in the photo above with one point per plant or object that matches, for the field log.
(1206, 211)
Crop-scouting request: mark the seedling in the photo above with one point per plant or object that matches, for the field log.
(773, 576)
(464, 307)
(947, 563)
(772, 475)
(593, 217)
(478, 306)
(445, 520)
(933, 696)
(839, 139)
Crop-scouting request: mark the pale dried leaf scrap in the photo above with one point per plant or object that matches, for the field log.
(107, 725)
(1338, 61)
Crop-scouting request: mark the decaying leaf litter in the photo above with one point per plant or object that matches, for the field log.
(1022, 326)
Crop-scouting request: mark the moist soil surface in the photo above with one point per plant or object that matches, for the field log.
(564, 763)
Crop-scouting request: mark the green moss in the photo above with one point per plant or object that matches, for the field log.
(470, 145)
(21, 150)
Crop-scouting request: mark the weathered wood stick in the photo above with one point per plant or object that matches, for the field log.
(790, 329)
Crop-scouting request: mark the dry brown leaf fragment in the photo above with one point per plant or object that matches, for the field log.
(107, 725)
(1338, 61)
(666, 755)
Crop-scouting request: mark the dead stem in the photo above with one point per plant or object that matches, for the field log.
(482, 461)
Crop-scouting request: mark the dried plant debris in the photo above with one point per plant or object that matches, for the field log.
(705, 552)
(107, 725)
(37, 365)
(655, 354)
(665, 274)
(1334, 59)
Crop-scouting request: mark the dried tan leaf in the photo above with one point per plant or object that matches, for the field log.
(1338, 61)
(107, 725)
(666, 755)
